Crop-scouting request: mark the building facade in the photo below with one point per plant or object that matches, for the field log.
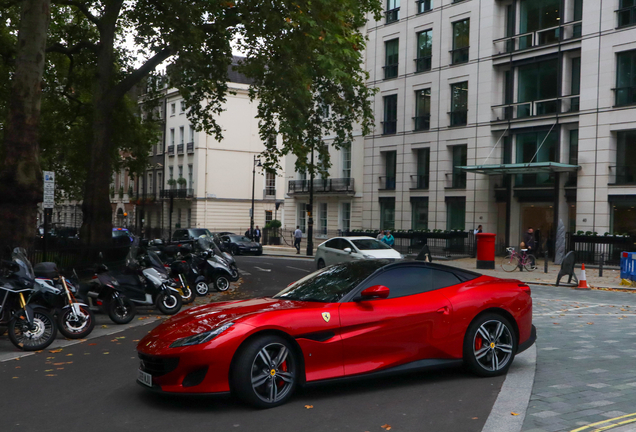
(506, 114)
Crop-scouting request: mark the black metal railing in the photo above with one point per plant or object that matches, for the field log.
(387, 182)
(626, 16)
(622, 175)
(458, 118)
(330, 185)
(180, 149)
(546, 36)
(460, 55)
(423, 64)
(422, 122)
(456, 179)
(424, 6)
(390, 71)
(625, 95)
(177, 193)
(420, 181)
(392, 15)
(389, 127)
(171, 150)
(591, 249)
(190, 147)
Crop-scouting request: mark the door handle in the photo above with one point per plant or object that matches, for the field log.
(443, 310)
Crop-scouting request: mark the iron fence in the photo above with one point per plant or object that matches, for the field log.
(590, 249)
(445, 245)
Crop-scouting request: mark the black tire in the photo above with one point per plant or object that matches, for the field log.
(76, 329)
(222, 283)
(188, 295)
(169, 303)
(279, 379)
(37, 338)
(320, 264)
(121, 314)
(236, 250)
(234, 273)
(488, 348)
(202, 288)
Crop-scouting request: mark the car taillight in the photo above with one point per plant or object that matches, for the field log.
(525, 289)
(94, 277)
(99, 302)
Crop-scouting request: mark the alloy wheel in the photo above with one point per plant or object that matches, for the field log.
(492, 345)
(273, 376)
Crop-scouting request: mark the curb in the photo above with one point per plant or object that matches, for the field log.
(509, 410)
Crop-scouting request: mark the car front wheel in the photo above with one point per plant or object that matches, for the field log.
(320, 264)
(266, 372)
(490, 345)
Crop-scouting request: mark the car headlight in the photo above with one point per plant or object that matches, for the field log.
(201, 337)
(402, 256)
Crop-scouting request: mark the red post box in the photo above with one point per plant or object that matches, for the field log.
(486, 251)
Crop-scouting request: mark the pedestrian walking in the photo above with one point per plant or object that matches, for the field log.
(388, 238)
(257, 235)
(298, 236)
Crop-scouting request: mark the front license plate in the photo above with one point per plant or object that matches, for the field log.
(144, 378)
(254, 249)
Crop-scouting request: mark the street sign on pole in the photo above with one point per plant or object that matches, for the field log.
(49, 190)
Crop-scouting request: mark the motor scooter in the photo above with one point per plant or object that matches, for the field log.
(212, 266)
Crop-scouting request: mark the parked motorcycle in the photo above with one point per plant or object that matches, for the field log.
(213, 266)
(177, 270)
(104, 293)
(228, 258)
(75, 320)
(31, 326)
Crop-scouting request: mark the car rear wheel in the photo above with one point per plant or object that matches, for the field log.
(320, 264)
(266, 372)
(490, 345)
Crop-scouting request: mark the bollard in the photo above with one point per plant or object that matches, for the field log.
(600, 267)
(545, 263)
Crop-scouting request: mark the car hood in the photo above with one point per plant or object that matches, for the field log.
(205, 318)
(248, 244)
(382, 253)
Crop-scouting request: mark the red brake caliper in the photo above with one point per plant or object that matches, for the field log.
(478, 343)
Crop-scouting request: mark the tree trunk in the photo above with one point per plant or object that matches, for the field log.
(20, 172)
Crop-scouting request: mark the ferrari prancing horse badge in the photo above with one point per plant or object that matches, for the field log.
(326, 316)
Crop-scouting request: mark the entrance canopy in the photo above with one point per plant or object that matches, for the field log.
(521, 168)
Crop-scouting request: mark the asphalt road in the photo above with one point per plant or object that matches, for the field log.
(91, 385)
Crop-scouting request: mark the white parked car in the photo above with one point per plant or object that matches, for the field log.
(343, 249)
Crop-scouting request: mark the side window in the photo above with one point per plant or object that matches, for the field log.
(404, 281)
(347, 244)
(177, 235)
(333, 244)
(442, 279)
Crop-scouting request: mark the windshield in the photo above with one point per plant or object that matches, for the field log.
(156, 262)
(19, 257)
(120, 233)
(131, 258)
(236, 239)
(331, 284)
(204, 243)
(198, 232)
(369, 244)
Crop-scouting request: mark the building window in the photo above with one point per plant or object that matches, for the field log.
(159, 181)
(270, 183)
(461, 41)
(536, 15)
(392, 11)
(623, 220)
(178, 221)
(190, 179)
(460, 158)
(625, 169)
(626, 78)
(268, 216)
(345, 216)
(424, 6)
(180, 168)
(183, 107)
(302, 216)
(459, 104)
(390, 115)
(191, 131)
(173, 109)
(626, 13)
(387, 213)
(172, 136)
(575, 84)
(391, 58)
(181, 133)
(389, 168)
(456, 213)
(170, 173)
(424, 51)
(323, 218)
(422, 110)
(538, 82)
(423, 163)
(574, 156)
(150, 184)
(346, 161)
(419, 213)
(536, 147)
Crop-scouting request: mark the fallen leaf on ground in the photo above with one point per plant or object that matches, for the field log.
(514, 413)
(56, 351)
(15, 377)
(590, 323)
(555, 323)
(92, 344)
(106, 353)
(51, 375)
(69, 362)
(49, 370)
(475, 418)
(68, 355)
(135, 340)
(309, 406)
(18, 367)
(386, 426)
(58, 364)
(104, 326)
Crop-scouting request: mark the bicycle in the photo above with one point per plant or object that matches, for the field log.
(515, 260)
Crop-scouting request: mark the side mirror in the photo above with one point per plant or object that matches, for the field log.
(376, 291)
(348, 250)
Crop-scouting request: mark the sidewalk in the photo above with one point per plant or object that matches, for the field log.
(286, 250)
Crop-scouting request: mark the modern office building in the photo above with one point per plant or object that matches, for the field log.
(505, 114)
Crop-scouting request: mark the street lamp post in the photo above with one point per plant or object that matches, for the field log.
(254, 165)
(310, 209)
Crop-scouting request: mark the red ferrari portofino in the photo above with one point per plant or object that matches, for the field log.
(354, 319)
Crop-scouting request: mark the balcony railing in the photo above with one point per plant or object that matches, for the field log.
(423, 6)
(180, 149)
(622, 175)
(626, 16)
(562, 105)
(177, 193)
(390, 71)
(322, 186)
(420, 181)
(456, 180)
(387, 182)
(171, 150)
(190, 148)
(625, 96)
(547, 36)
(422, 122)
(458, 118)
(389, 127)
(392, 15)
(423, 64)
(460, 55)
(269, 192)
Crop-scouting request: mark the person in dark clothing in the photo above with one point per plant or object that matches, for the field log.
(257, 234)
(529, 240)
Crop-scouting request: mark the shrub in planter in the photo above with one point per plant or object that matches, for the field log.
(182, 182)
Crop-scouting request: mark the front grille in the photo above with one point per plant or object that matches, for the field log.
(158, 366)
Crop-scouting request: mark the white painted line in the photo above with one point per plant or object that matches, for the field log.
(514, 395)
(262, 269)
(296, 268)
(244, 273)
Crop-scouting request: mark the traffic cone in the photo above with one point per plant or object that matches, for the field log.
(582, 279)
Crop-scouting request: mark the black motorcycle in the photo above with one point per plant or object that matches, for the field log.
(31, 326)
(215, 269)
(104, 293)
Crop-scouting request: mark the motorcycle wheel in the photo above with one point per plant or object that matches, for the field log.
(187, 294)
(234, 273)
(121, 314)
(202, 288)
(39, 336)
(169, 303)
(222, 283)
(76, 328)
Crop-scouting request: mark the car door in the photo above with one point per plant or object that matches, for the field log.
(348, 256)
(329, 251)
(405, 327)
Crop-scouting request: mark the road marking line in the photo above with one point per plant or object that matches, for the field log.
(244, 273)
(607, 421)
(262, 269)
(296, 268)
